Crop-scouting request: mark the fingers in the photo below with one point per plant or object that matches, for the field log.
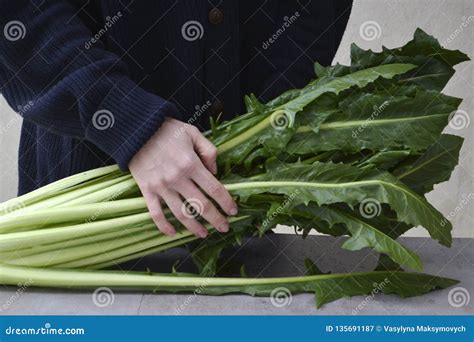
(156, 213)
(204, 207)
(215, 190)
(205, 149)
(188, 219)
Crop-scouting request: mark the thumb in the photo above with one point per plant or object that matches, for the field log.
(206, 150)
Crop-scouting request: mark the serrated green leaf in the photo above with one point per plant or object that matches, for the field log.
(363, 235)
(378, 122)
(276, 128)
(433, 167)
(435, 63)
(327, 183)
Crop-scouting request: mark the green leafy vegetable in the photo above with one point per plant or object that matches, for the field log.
(327, 287)
(351, 154)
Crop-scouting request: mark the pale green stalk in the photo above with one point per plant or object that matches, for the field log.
(82, 252)
(65, 198)
(119, 260)
(86, 240)
(107, 193)
(12, 275)
(13, 241)
(158, 244)
(78, 213)
(162, 243)
(53, 188)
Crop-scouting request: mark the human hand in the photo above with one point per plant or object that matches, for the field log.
(178, 163)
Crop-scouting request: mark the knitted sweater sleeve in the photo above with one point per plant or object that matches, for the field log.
(50, 75)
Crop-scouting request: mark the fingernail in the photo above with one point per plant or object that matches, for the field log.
(223, 228)
(233, 211)
(202, 234)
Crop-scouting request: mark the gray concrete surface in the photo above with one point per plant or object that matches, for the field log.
(274, 255)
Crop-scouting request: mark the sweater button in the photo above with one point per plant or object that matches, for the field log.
(216, 16)
(217, 108)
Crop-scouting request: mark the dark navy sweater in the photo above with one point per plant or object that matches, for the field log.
(94, 80)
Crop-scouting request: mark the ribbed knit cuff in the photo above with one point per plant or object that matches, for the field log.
(126, 119)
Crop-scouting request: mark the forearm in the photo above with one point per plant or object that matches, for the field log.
(74, 90)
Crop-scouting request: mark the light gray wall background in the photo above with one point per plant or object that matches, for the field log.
(393, 23)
